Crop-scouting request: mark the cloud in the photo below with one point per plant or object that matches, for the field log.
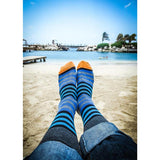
(32, 3)
(126, 6)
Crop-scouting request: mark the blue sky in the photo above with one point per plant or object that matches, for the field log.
(77, 21)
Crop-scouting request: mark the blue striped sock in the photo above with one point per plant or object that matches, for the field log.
(85, 80)
(68, 94)
(87, 108)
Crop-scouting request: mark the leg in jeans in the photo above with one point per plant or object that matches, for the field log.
(101, 139)
(62, 131)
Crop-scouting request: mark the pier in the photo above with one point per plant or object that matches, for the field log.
(34, 59)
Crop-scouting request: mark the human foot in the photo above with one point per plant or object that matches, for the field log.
(85, 79)
(67, 81)
(68, 93)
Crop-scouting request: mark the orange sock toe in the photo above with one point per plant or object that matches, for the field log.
(66, 67)
(84, 64)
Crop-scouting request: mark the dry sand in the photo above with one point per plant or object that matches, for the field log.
(114, 94)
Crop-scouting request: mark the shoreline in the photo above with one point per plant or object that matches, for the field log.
(107, 51)
(93, 62)
(114, 94)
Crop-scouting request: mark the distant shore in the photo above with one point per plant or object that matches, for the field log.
(82, 48)
(111, 49)
(114, 94)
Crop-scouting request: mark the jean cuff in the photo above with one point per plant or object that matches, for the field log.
(96, 135)
(54, 150)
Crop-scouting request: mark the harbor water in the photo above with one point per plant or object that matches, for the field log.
(59, 57)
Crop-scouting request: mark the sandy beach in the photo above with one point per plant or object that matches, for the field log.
(114, 94)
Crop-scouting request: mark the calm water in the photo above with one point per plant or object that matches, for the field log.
(75, 56)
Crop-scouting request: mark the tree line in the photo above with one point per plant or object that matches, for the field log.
(121, 40)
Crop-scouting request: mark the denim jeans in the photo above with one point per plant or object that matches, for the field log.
(103, 141)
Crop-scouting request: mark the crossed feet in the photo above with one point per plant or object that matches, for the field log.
(76, 84)
(75, 89)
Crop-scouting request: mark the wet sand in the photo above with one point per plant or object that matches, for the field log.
(114, 94)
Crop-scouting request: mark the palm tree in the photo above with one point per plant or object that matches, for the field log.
(132, 38)
(120, 37)
(126, 37)
(105, 37)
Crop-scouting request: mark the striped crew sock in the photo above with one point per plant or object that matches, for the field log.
(62, 128)
(68, 94)
(89, 113)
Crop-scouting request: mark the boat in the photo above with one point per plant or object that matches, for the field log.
(104, 57)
